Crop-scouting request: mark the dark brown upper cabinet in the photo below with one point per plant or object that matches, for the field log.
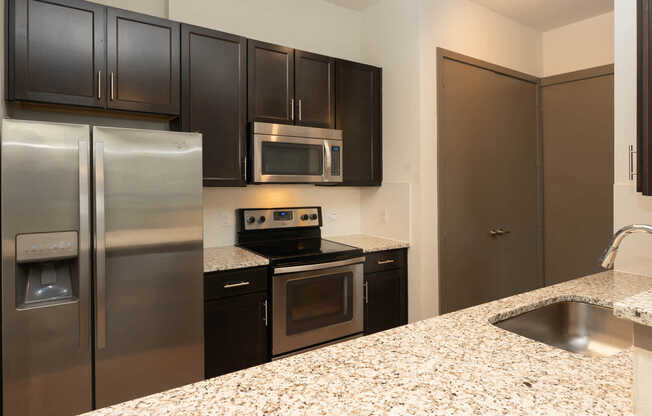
(314, 89)
(358, 102)
(56, 52)
(271, 83)
(644, 143)
(143, 62)
(213, 100)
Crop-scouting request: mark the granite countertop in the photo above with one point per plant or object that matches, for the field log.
(231, 257)
(368, 243)
(457, 363)
(637, 308)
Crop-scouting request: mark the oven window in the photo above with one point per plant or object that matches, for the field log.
(319, 301)
(292, 159)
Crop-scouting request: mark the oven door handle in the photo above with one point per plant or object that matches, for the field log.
(319, 266)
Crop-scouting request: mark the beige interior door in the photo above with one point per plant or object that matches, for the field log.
(578, 135)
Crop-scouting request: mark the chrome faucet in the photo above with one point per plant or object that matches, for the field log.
(609, 256)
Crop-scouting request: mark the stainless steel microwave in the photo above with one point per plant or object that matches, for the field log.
(282, 153)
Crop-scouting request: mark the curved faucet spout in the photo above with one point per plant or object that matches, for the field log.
(609, 256)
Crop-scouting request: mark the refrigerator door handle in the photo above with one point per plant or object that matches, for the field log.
(100, 249)
(84, 241)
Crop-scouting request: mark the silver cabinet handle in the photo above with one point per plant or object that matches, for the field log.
(100, 249)
(112, 93)
(84, 271)
(265, 312)
(299, 110)
(291, 108)
(366, 292)
(386, 261)
(239, 284)
(632, 152)
(99, 85)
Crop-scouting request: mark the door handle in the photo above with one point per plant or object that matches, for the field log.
(84, 271)
(299, 110)
(100, 248)
(380, 262)
(366, 292)
(292, 109)
(265, 311)
(631, 152)
(99, 85)
(502, 231)
(112, 93)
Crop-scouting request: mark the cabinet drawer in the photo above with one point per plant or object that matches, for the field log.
(384, 260)
(234, 282)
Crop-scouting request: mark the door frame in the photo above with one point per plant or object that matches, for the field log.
(442, 56)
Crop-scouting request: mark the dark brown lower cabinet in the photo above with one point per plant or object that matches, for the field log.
(385, 291)
(235, 327)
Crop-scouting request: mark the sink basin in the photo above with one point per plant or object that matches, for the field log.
(574, 326)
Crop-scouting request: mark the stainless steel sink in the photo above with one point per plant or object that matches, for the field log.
(574, 326)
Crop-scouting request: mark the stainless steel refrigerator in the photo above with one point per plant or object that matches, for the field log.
(101, 265)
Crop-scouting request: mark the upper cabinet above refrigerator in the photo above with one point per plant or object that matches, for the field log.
(80, 53)
(290, 86)
(56, 52)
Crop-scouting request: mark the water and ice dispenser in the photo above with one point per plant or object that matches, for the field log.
(46, 268)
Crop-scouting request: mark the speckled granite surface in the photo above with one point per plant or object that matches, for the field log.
(637, 308)
(231, 257)
(453, 364)
(368, 243)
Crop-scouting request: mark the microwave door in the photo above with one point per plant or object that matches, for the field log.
(288, 159)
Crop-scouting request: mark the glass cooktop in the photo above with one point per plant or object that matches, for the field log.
(304, 251)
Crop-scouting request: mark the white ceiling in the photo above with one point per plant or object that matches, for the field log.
(544, 15)
(354, 4)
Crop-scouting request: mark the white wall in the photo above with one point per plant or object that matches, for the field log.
(580, 45)
(629, 207)
(311, 25)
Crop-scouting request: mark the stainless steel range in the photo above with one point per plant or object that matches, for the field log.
(317, 285)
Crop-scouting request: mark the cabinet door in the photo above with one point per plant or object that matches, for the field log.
(271, 83)
(386, 302)
(213, 79)
(143, 62)
(235, 334)
(314, 89)
(56, 52)
(358, 102)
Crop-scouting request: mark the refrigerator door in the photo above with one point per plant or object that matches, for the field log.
(46, 322)
(149, 262)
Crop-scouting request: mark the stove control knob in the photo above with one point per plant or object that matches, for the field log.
(262, 219)
(314, 217)
(304, 217)
(251, 220)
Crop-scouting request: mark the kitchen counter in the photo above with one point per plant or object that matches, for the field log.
(637, 308)
(229, 258)
(457, 363)
(368, 243)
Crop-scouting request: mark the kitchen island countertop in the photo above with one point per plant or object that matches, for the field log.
(457, 363)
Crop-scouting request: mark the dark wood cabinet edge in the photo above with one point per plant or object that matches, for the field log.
(92, 111)
(643, 74)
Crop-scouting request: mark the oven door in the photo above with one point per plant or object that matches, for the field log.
(316, 303)
(278, 159)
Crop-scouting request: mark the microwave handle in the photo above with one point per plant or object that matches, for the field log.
(329, 161)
